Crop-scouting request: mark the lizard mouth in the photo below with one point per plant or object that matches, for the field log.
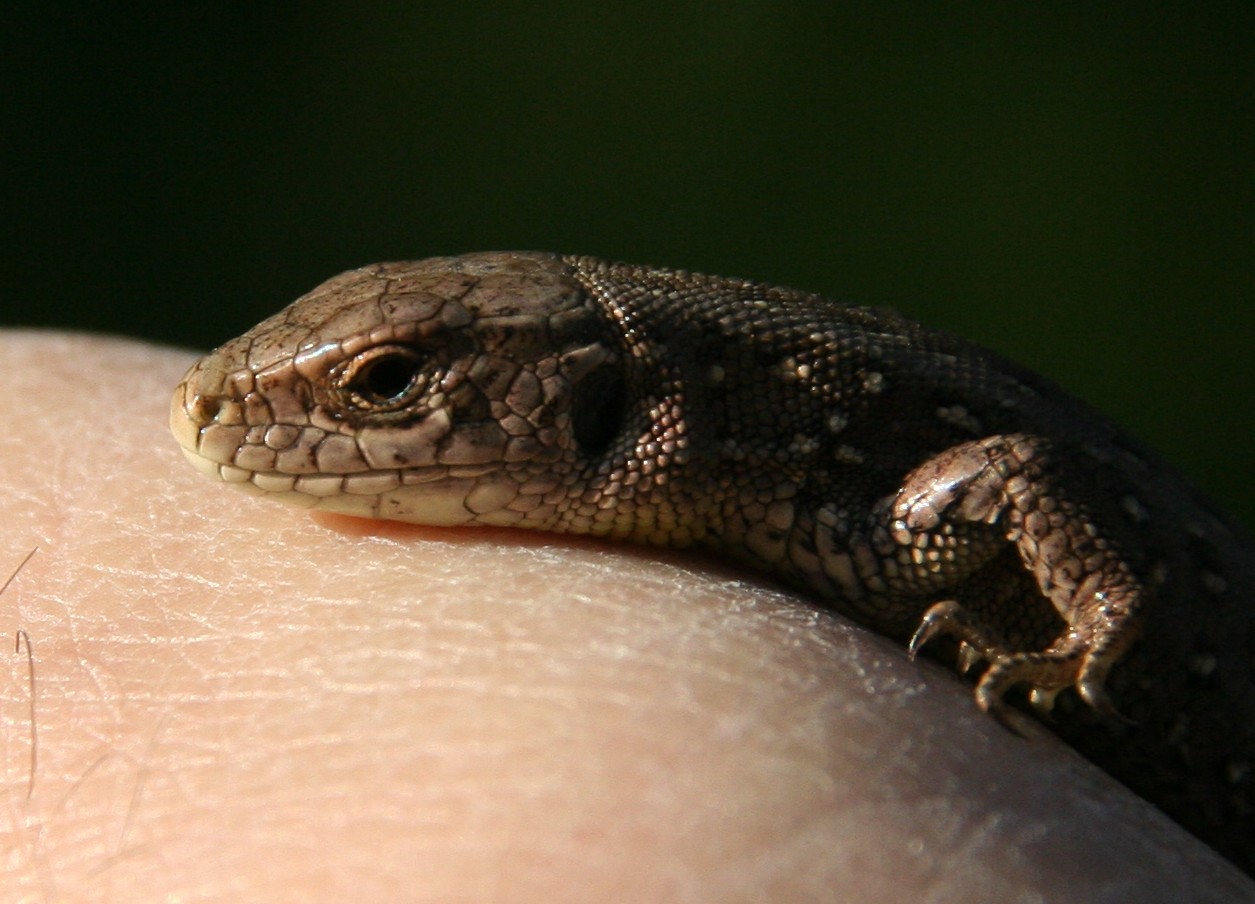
(439, 492)
(318, 486)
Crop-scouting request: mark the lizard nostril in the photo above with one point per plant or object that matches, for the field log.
(204, 409)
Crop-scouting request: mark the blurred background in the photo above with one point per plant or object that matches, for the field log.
(1070, 184)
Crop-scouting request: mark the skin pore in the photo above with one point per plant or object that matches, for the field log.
(236, 700)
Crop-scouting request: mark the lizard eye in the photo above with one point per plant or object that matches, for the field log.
(384, 378)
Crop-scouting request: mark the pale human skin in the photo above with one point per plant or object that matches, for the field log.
(238, 701)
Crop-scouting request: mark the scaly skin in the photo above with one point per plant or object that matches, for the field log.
(917, 483)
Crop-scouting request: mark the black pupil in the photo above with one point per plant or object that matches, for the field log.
(388, 377)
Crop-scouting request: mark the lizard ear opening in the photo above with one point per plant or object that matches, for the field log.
(597, 408)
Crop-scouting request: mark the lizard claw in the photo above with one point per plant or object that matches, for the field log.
(1100, 701)
(969, 658)
(938, 620)
(1043, 699)
(950, 618)
(929, 627)
(1047, 673)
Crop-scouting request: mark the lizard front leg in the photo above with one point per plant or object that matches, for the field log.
(1011, 484)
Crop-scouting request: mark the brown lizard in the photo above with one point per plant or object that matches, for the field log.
(917, 483)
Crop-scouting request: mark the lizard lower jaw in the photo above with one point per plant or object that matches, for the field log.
(434, 497)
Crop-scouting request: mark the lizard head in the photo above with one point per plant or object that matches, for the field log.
(471, 390)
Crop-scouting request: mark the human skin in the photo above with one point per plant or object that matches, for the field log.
(235, 700)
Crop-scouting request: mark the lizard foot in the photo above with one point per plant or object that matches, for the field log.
(1069, 662)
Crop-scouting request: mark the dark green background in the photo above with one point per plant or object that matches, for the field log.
(1071, 184)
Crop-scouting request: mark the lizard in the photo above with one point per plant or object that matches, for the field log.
(915, 482)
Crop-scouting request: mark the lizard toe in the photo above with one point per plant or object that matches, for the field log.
(950, 619)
